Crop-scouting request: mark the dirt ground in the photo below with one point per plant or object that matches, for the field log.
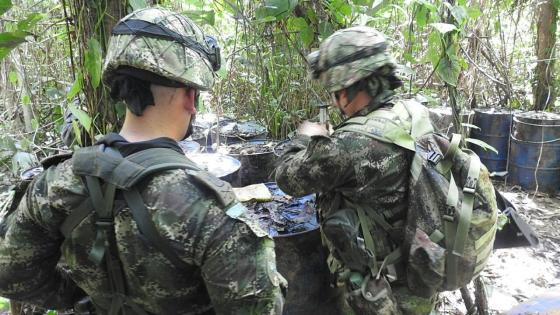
(516, 275)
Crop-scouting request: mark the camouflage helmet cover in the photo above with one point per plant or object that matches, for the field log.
(185, 60)
(350, 55)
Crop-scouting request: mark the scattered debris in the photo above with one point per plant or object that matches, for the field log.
(284, 214)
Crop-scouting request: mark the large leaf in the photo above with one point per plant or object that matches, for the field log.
(9, 41)
(13, 77)
(93, 62)
(202, 16)
(449, 69)
(434, 48)
(82, 116)
(422, 16)
(325, 29)
(30, 21)
(300, 25)
(482, 144)
(444, 28)
(5, 5)
(137, 4)
(458, 12)
(76, 87)
(275, 8)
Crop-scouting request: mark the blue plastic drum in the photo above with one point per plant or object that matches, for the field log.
(534, 161)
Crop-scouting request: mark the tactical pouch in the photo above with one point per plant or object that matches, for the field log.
(426, 265)
(374, 296)
(341, 230)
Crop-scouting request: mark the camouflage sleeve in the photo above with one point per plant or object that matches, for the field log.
(30, 251)
(324, 163)
(239, 270)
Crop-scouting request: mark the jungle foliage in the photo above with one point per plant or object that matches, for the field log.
(462, 53)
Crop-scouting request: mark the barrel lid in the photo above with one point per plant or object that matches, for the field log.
(243, 129)
(216, 164)
(251, 147)
(496, 110)
(538, 117)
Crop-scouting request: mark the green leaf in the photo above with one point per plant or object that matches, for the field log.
(9, 41)
(25, 99)
(422, 16)
(276, 8)
(482, 144)
(34, 124)
(82, 116)
(202, 17)
(137, 4)
(459, 13)
(410, 58)
(325, 29)
(30, 21)
(266, 19)
(311, 15)
(77, 133)
(449, 70)
(5, 5)
(300, 25)
(497, 26)
(473, 12)
(76, 87)
(443, 28)
(93, 62)
(13, 77)
(434, 48)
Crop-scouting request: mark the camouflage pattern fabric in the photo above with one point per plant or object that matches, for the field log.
(343, 44)
(350, 167)
(233, 270)
(166, 58)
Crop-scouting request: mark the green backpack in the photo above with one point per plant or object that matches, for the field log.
(104, 172)
(452, 214)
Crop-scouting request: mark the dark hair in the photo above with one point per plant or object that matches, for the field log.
(135, 93)
(391, 82)
(132, 85)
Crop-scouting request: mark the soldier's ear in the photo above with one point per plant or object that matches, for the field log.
(190, 100)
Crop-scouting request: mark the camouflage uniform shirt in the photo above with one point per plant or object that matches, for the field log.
(349, 167)
(233, 266)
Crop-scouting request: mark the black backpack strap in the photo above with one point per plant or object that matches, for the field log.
(147, 227)
(106, 163)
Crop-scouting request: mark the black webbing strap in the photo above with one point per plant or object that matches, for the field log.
(148, 29)
(75, 217)
(103, 206)
(147, 227)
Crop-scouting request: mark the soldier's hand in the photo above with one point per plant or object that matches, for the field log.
(312, 129)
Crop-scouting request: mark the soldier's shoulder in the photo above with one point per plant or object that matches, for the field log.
(200, 194)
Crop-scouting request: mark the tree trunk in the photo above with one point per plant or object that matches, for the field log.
(95, 19)
(543, 88)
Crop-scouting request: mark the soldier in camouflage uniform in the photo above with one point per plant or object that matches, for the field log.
(347, 168)
(157, 62)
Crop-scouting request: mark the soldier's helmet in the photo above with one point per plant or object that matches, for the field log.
(165, 43)
(350, 55)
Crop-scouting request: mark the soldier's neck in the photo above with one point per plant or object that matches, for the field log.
(150, 126)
